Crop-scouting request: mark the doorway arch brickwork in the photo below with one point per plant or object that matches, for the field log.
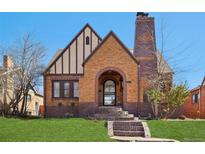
(112, 76)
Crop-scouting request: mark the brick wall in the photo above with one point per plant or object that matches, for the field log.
(202, 101)
(59, 107)
(195, 110)
(110, 55)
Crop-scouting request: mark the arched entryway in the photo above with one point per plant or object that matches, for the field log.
(110, 87)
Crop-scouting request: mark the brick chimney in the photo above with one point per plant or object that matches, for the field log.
(7, 62)
(145, 42)
(145, 45)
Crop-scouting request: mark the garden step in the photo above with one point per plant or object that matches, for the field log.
(128, 133)
(128, 128)
(127, 123)
(132, 128)
(113, 113)
(125, 112)
(112, 117)
(124, 118)
(107, 110)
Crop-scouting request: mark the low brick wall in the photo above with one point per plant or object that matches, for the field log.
(87, 109)
(144, 109)
(61, 111)
(131, 108)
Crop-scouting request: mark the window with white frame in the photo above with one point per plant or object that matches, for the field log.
(196, 98)
(75, 89)
(65, 89)
(56, 89)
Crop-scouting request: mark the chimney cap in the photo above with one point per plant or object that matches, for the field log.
(142, 14)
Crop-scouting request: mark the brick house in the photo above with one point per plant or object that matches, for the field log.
(34, 99)
(91, 72)
(194, 107)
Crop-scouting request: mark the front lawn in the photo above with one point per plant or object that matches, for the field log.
(77, 129)
(74, 129)
(178, 130)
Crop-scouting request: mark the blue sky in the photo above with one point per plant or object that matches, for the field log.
(185, 44)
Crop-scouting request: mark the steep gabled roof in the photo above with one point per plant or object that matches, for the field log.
(57, 53)
(60, 53)
(35, 91)
(203, 82)
(200, 86)
(111, 33)
(162, 64)
(196, 88)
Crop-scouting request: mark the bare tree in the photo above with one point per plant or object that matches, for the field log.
(164, 57)
(169, 60)
(27, 56)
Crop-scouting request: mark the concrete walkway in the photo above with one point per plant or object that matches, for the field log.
(141, 139)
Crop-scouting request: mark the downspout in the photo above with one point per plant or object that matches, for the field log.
(44, 98)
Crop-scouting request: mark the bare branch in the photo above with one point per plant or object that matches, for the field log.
(27, 57)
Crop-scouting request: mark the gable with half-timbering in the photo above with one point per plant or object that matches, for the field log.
(70, 59)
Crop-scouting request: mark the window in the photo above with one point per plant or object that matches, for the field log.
(87, 39)
(28, 98)
(195, 98)
(109, 92)
(56, 89)
(75, 89)
(66, 89)
(37, 108)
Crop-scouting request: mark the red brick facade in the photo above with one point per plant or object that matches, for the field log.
(192, 108)
(102, 60)
(121, 65)
(59, 107)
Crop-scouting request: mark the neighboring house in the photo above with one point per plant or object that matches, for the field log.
(34, 103)
(6, 81)
(1, 89)
(91, 72)
(35, 100)
(194, 106)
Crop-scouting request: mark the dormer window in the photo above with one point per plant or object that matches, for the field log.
(87, 40)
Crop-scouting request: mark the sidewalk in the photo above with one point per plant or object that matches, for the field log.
(141, 139)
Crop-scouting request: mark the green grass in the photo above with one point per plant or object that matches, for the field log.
(74, 130)
(178, 130)
(77, 129)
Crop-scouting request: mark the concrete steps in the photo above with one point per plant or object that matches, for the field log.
(127, 123)
(108, 109)
(112, 113)
(128, 133)
(130, 128)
